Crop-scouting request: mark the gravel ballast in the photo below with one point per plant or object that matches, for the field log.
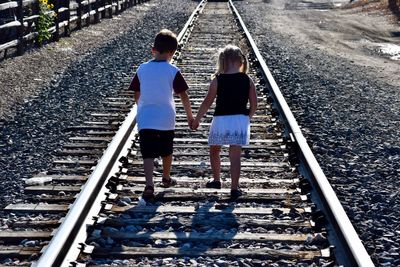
(348, 112)
(49, 89)
(350, 116)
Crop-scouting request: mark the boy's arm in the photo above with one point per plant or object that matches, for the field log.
(186, 105)
(180, 87)
(137, 96)
(252, 99)
(207, 102)
(135, 86)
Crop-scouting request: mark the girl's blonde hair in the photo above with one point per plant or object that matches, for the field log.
(230, 54)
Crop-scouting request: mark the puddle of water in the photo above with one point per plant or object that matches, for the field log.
(391, 50)
(318, 5)
(339, 3)
(387, 50)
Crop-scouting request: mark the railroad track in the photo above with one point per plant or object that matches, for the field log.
(288, 215)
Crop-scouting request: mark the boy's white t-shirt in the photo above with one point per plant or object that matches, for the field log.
(157, 81)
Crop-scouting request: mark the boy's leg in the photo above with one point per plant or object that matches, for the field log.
(215, 162)
(234, 156)
(148, 154)
(166, 147)
(167, 162)
(148, 192)
(148, 171)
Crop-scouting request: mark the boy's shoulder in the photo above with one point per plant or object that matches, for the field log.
(154, 64)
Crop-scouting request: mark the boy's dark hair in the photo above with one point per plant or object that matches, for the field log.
(165, 41)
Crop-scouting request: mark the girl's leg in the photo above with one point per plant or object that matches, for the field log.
(215, 162)
(234, 156)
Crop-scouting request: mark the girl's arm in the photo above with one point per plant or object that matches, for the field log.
(207, 102)
(252, 98)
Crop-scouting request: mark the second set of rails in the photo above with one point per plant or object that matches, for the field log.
(286, 216)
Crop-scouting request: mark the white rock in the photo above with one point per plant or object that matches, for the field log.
(109, 241)
(186, 246)
(141, 202)
(193, 262)
(38, 180)
(96, 233)
(171, 242)
(30, 243)
(127, 200)
(130, 228)
(167, 260)
(159, 242)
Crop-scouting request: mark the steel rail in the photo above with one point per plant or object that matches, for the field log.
(64, 246)
(69, 239)
(350, 245)
(184, 34)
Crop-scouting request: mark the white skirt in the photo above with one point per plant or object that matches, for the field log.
(230, 130)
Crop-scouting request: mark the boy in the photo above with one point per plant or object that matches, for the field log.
(154, 84)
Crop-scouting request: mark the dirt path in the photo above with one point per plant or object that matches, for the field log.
(367, 39)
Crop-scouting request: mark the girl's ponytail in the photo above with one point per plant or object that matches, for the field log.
(245, 63)
(220, 63)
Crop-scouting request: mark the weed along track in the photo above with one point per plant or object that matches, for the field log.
(286, 216)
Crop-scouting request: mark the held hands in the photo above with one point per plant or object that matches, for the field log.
(193, 123)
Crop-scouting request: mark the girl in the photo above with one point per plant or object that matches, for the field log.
(233, 89)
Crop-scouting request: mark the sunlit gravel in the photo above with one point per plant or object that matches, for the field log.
(352, 123)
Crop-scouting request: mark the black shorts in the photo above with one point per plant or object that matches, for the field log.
(156, 143)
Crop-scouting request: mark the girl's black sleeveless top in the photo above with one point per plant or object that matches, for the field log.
(232, 94)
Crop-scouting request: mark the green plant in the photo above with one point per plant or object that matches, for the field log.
(46, 20)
